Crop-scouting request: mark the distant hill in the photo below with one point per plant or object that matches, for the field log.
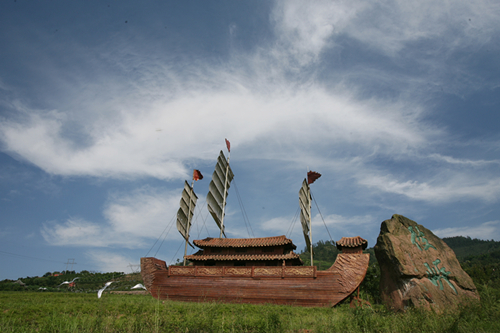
(467, 248)
(479, 258)
(83, 282)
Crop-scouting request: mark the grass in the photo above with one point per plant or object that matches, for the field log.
(78, 312)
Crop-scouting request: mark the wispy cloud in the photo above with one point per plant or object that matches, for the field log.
(462, 161)
(107, 261)
(487, 230)
(436, 189)
(131, 221)
(250, 98)
(390, 25)
(76, 232)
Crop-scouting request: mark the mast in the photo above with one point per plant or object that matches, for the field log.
(186, 210)
(305, 199)
(218, 189)
(189, 224)
(226, 186)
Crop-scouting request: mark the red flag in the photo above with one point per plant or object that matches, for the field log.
(312, 176)
(228, 146)
(197, 175)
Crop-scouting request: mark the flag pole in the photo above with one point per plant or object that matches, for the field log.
(189, 221)
(196, 176)
(310, 224)
(311, 178)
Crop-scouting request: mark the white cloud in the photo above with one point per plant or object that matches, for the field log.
(112, 154)
(155, 116)
(390, 25)
(159, 141)
(462, 161)
(76, 232)
(279, 224)
(339, 220)
(444, 188)
(131, 221)
(485, 231)
(306, 29)
(143, 212)
(107, 261)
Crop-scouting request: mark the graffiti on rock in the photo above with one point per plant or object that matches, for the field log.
(417, 237)
(435, 274)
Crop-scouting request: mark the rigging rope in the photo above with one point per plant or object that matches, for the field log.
(243, 212)
(171, 224)
(176, 252)
(322, 218)
(204, 221)
(160, 236)
(292, 225)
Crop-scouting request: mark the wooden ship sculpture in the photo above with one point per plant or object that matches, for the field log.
(252, 270)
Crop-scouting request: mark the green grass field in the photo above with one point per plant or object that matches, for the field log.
(84, 312)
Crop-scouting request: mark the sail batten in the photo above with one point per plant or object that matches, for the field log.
(186, 211)
(218, 189)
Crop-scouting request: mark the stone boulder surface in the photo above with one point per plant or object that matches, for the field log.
(419, 269)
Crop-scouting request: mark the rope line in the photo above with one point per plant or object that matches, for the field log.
(243, 211)
(292, 225)
(171, 225)
(314, 199)
(176, 252)
(160, 236)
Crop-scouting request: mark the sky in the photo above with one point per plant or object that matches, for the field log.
(107, 107)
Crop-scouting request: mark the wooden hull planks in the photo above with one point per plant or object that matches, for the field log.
(295, 285)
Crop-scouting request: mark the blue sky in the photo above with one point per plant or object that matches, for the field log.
(106, 107)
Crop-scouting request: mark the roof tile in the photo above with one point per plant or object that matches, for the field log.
(352, 242)
(243, 242)
(220, 257)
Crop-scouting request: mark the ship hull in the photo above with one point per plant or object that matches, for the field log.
(295, 285)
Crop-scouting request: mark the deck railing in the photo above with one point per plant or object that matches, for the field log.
(251, 272)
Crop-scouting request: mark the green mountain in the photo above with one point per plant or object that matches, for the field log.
(83, 282)
(466, 248)
(479, 258)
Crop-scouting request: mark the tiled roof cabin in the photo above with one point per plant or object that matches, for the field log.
(265, 251)
(352, 244)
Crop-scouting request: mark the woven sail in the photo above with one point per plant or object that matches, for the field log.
(219, 186)
(305, 211)
(185, 212)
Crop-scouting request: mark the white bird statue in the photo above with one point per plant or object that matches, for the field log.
(99, 293)
(68, 282)
(137, 286)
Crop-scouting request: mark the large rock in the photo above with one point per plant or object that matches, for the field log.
(418, 269)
